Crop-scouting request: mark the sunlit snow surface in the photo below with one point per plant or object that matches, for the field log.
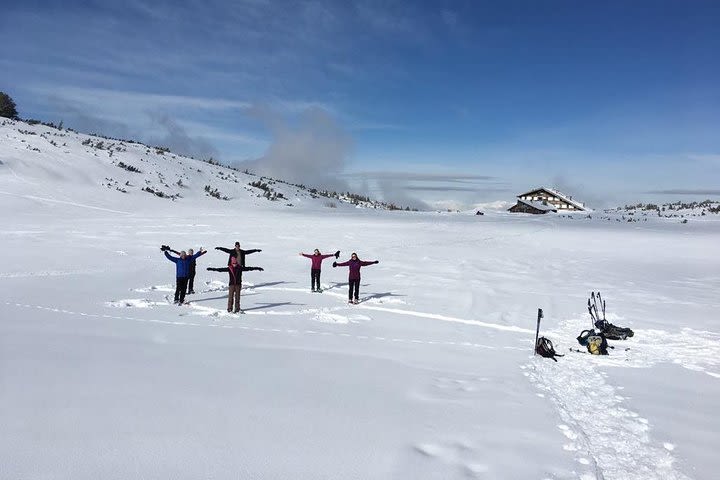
(431, 376)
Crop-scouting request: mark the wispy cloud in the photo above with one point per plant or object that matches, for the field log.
(452, 188)
(449, 17)
(138, 101)
(425, 177)
(686, 191)
(426, 189)
(309, 147)
(180, 141)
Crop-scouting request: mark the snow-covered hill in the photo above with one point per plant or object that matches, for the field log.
(37, 157)
(431, 376)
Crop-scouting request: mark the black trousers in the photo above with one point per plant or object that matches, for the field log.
(314, 278)
(191, 279)
(354, 284)
(180, 288)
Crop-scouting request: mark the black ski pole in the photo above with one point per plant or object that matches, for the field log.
(595, 299)
(594, 305)
(592, 317)
(537, 330)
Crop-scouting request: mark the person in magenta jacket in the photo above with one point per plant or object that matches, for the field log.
(354, 265)
(234, 271)
(317, 259)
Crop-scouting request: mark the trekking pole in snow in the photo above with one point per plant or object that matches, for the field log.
(595, 309)
(592, 317)
(602, 305)
(537, 330)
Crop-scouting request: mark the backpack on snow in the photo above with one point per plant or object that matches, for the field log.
(610, 331)
(544, 348)
(613, 332)
(595, 342)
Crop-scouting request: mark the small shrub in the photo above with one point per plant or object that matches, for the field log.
(129, 168)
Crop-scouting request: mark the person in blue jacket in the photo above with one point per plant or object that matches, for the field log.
(183, 265)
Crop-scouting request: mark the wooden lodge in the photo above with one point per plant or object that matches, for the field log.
(543, 200)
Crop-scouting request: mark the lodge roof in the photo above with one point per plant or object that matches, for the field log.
(558, 194)
(539, 205)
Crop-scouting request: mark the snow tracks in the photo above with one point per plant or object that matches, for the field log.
(608, 440)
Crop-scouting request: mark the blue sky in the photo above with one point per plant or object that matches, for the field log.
(607, 99)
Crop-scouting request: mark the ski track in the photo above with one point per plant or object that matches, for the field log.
(63, 202)
(218, 313)
(610, 441)
(51, 273)
(607, 440)
(432, 316)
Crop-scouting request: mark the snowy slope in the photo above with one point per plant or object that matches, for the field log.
(430, 377)
(114, 172)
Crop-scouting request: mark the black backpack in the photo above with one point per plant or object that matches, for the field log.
(613, 332)
(544, 348)
(595, 342)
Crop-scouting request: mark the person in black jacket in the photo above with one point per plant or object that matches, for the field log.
(238, 253)
(234, 283)
(191, 273)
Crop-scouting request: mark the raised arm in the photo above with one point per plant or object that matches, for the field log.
(171, 258)
(201, 252)
(166, 248)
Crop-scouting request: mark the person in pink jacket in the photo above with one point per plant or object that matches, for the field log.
(317, 259)
(354, 265)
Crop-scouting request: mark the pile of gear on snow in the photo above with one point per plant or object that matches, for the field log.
(595, 339)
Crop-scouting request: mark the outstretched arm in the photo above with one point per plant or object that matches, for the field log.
(247, 269)
(343, 264)
(248, 252)
(305, 255)
(171, 258)
(212, 269)
(365, 264)
(226, 250)
(327, 256)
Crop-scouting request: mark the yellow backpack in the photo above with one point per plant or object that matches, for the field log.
(595, 342)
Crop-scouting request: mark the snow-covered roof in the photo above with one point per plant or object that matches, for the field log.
(538, 205)
(558, 194)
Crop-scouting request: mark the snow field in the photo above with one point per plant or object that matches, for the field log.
(430, 376)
